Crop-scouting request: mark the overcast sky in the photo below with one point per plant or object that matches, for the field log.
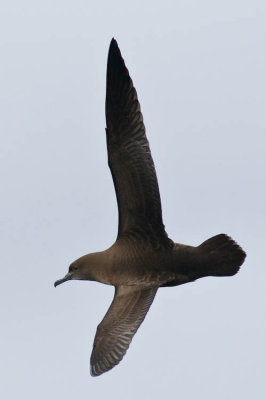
(199, 69)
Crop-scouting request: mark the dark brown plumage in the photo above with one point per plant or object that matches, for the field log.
(143, 258)
(129, 155)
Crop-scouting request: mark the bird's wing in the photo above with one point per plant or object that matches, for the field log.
(129, 155)
(114, 334)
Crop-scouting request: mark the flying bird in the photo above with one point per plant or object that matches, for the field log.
(143, 257)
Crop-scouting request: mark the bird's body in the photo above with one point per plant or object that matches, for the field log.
(143, 258)
(134, 264)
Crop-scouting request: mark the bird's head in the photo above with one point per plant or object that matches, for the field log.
(73, 273)
(82, 269)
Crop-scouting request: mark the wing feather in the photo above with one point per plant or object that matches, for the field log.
(129, 155)
(114, 334)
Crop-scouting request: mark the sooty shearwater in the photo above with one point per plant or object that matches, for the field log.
(143, 258)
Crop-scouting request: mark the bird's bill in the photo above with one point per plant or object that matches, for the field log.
(66, 278)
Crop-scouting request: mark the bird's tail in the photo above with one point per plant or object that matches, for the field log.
(223, 255)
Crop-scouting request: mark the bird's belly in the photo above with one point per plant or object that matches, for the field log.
(142, 271)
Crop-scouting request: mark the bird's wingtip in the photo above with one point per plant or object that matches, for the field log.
(113, 43)
(114, 54)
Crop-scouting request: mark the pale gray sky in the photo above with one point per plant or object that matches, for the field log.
(199, 69)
